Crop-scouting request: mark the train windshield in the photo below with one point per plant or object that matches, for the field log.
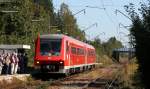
(50, 47)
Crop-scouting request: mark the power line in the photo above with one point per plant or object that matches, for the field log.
(95, 24)
(94, 7)
(110, 18)
(79, 6)
(107, 12)
(117, 29)
(83, 10)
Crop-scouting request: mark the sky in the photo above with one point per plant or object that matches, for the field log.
(107, 19)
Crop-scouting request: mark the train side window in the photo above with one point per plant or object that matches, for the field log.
(91, 53)
(73, 50)
(67, 46)
(88, 53)
(80, 51)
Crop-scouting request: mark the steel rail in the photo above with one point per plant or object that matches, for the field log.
(86, 85)
(71, 76)
(94, 80)
(108, 86)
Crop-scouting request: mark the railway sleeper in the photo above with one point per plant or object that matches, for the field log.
(97, 84)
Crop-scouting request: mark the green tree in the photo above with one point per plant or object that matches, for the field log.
(140, 32)
(111, 44)
(69, 24)
(105, 48)
(23, 26)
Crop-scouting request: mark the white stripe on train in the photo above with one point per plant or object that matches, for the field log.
(66, 68)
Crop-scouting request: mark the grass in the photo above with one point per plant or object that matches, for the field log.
(127, 75)
(105, 61)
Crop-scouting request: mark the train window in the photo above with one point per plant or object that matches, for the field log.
(83, 51)
(50, 46)
(67, 46)
(80, 51)
(73, 50)
(88, 53)
(91, 53)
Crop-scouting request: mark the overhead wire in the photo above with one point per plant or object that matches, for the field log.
(102, 2)
(79, 6)
(114, 22)
(110, 18)
(117, 28)
(116, 18)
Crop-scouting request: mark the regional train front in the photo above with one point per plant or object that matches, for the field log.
(48, 53)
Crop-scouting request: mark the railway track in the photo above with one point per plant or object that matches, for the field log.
(67, 78)
(98, 82)
(102, 83)
(98, 78)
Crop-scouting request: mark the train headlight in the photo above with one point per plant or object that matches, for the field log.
(37, 62)
(49, 54)
(61, 62)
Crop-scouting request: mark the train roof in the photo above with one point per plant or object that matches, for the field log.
(52, 36)
(60, 36)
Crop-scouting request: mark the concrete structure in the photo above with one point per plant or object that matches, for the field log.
(118, 52)
(13, 48)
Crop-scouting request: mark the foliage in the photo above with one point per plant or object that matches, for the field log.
(33, 17)
(111, 44)
(67, 23)
(140, 32)
(105, 48)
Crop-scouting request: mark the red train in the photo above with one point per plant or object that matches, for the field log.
(57, 53)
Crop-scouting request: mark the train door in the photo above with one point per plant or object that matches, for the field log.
(73, 55)
(86, 54)
(67, 56)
